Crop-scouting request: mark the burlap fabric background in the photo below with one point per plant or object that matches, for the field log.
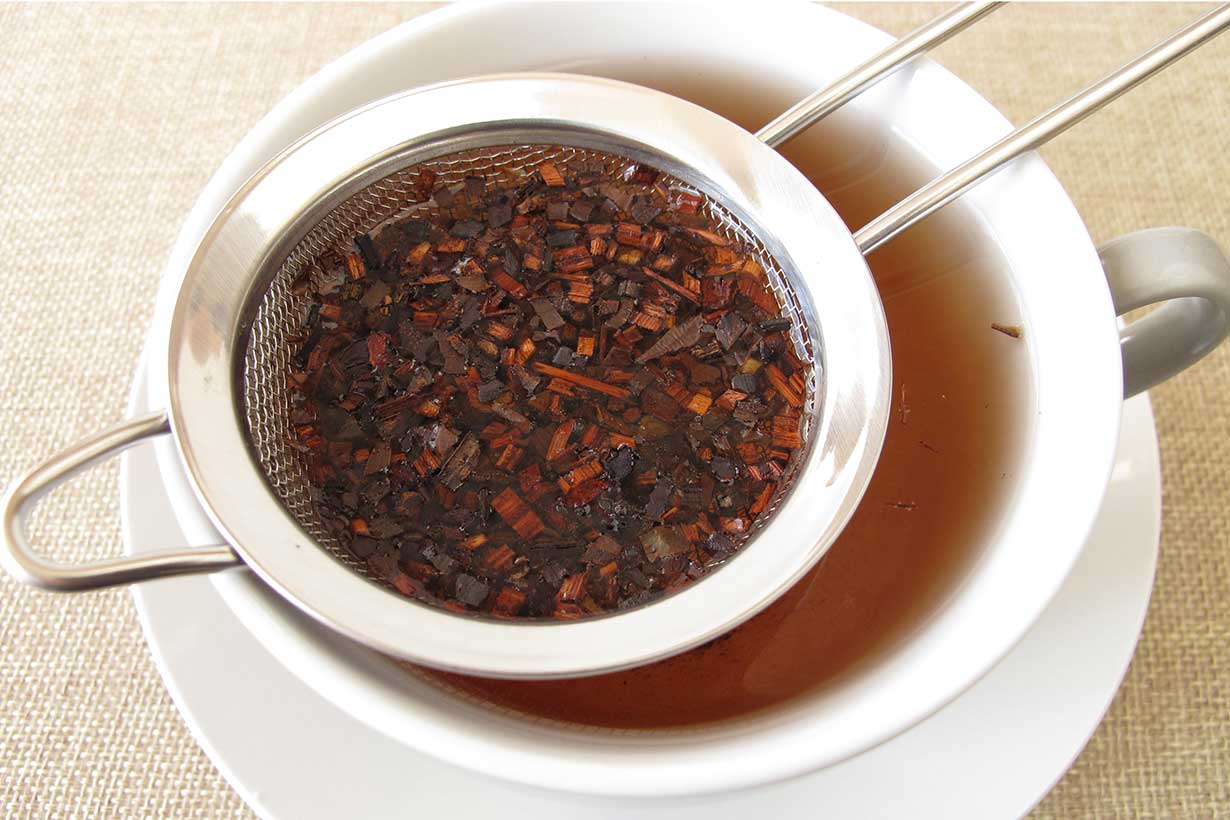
(114, 117)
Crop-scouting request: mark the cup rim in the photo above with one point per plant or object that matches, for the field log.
(367, 685)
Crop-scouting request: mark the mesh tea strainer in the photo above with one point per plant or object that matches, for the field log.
(229, 339)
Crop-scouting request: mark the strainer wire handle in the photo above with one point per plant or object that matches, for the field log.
(939, 192)
(812, 109)
(28, 566)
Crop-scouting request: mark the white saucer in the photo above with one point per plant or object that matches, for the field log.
(994, 752)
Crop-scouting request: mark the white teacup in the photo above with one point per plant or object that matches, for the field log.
(750, 63)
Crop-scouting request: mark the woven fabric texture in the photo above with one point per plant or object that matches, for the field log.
(116, 116)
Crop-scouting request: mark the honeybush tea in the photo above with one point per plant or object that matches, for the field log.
(556, 396)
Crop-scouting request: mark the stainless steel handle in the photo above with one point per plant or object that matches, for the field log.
(26, 565)
(1187, 271)
(810, 110)
(939, 192)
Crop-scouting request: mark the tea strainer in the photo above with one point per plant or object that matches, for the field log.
(219, 371)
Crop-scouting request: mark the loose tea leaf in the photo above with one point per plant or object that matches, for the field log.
(545, 397)
(677, 338)
(664, 542)
(461, 463)
(1015, 331)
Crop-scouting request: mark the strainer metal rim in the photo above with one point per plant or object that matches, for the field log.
(206, 341)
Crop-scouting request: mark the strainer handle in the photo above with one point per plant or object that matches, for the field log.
(1189, 274)
(28, 566)
(812, 109)
(1038, 131)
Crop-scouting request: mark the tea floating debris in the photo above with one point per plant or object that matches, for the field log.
(1015, 331)
(551, 396)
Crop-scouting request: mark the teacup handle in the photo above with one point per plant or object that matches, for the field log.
(30, 567)
(1188, 271)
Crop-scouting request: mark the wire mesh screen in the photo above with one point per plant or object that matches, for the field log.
(280, 314)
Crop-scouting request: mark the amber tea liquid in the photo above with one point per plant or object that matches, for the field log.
(960, 420)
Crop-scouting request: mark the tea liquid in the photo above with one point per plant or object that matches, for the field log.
(960, 417)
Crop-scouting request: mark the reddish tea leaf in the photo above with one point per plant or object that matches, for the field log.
(551, 175)
(516, 514)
